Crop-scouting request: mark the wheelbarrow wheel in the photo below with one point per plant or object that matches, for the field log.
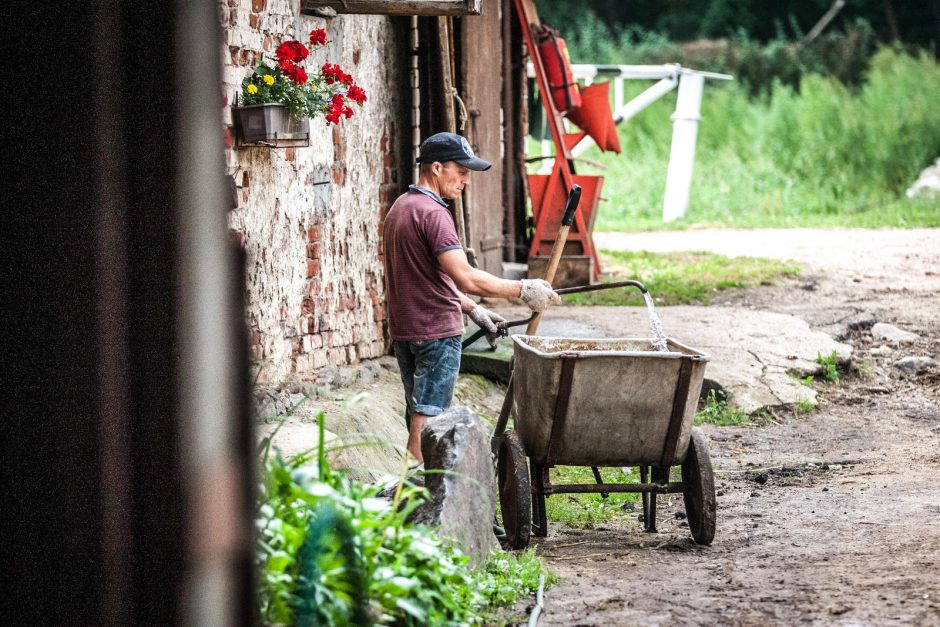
(515, 496)
(699, 492)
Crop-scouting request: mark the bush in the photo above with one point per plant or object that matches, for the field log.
(331, 553)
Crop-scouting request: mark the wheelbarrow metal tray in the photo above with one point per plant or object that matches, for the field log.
(623, 394)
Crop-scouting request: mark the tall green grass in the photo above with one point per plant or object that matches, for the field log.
(823, 155)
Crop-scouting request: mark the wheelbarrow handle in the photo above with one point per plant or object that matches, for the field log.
(503, 327)
(503, 330)
(601, 286)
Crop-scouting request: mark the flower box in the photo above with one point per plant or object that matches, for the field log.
(269, 123)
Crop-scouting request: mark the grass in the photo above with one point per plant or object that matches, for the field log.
(822, 155)
(589, 510)
(681, 278)
(716, 411)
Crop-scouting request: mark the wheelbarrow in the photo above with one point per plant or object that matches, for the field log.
(603, 403)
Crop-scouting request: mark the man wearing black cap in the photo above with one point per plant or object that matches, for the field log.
(428, 275)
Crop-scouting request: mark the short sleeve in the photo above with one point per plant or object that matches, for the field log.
(439, 231)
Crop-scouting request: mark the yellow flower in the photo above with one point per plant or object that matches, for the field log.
(252, 88)
(268, 79)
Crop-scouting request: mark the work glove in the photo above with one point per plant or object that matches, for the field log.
(538, 294)
(487, 320)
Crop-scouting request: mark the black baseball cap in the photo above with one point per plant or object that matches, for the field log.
(444, 147)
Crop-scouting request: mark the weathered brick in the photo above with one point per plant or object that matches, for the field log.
(313, 233)
(257, 6)
(313, 267)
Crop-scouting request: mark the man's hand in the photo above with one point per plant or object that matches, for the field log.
(538, 294)
(486, 319)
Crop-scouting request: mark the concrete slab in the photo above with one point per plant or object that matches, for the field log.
(753, 353)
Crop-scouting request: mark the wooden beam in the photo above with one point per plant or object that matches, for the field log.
(395, 7)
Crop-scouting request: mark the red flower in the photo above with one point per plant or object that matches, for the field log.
(357, 94)
(348, 112)
(293, 72)
(337, 99)
(318, 37)
(291, 51)
(330, 73)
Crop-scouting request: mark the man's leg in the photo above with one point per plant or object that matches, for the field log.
(437, 363)
(414, 436)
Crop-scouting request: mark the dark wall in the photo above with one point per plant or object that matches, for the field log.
(95, 496)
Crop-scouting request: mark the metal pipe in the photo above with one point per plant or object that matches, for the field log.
(539, 602)
(581, 488)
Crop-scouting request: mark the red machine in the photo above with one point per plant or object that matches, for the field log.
(554, 52)
(579, 265)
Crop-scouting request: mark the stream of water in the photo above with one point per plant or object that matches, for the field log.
(659, 336)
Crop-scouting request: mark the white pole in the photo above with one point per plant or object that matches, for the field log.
(682, 154)
(618, 92)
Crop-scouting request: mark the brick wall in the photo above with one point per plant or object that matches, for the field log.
(309, 218)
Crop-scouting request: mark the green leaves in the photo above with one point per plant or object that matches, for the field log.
(330, 551)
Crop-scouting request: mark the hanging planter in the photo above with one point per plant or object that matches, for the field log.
(278, 99)
(269, 123)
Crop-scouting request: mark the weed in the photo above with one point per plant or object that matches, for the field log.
(681, 278)
(807, 381)
(861, 368)
(830, 365)
(804, 406)
(716, 411)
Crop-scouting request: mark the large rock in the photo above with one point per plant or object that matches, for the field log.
(462, 498)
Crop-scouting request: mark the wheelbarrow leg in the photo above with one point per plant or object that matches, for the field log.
(649, 502)
(658, 474)
(599, 480)
(539, 515)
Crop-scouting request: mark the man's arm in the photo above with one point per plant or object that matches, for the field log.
(475, 281)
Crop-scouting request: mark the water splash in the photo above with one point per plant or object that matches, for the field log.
(659, 335)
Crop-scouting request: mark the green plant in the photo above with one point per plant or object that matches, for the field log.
(830, 365)
(804, 406)
(331, 552)
(328, 92)
(681, 278)
(716, 411)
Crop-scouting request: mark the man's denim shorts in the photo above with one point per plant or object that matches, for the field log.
(429, 371)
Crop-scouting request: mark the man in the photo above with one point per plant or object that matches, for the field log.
(428, 275)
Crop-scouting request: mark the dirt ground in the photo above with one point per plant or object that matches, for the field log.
(827, 517)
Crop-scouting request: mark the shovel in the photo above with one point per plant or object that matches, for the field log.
(574, 197)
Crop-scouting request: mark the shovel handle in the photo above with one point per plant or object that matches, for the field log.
(574, 197)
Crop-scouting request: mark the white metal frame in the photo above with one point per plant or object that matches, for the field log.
(685, 119)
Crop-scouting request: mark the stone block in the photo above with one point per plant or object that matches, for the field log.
(463, 497)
